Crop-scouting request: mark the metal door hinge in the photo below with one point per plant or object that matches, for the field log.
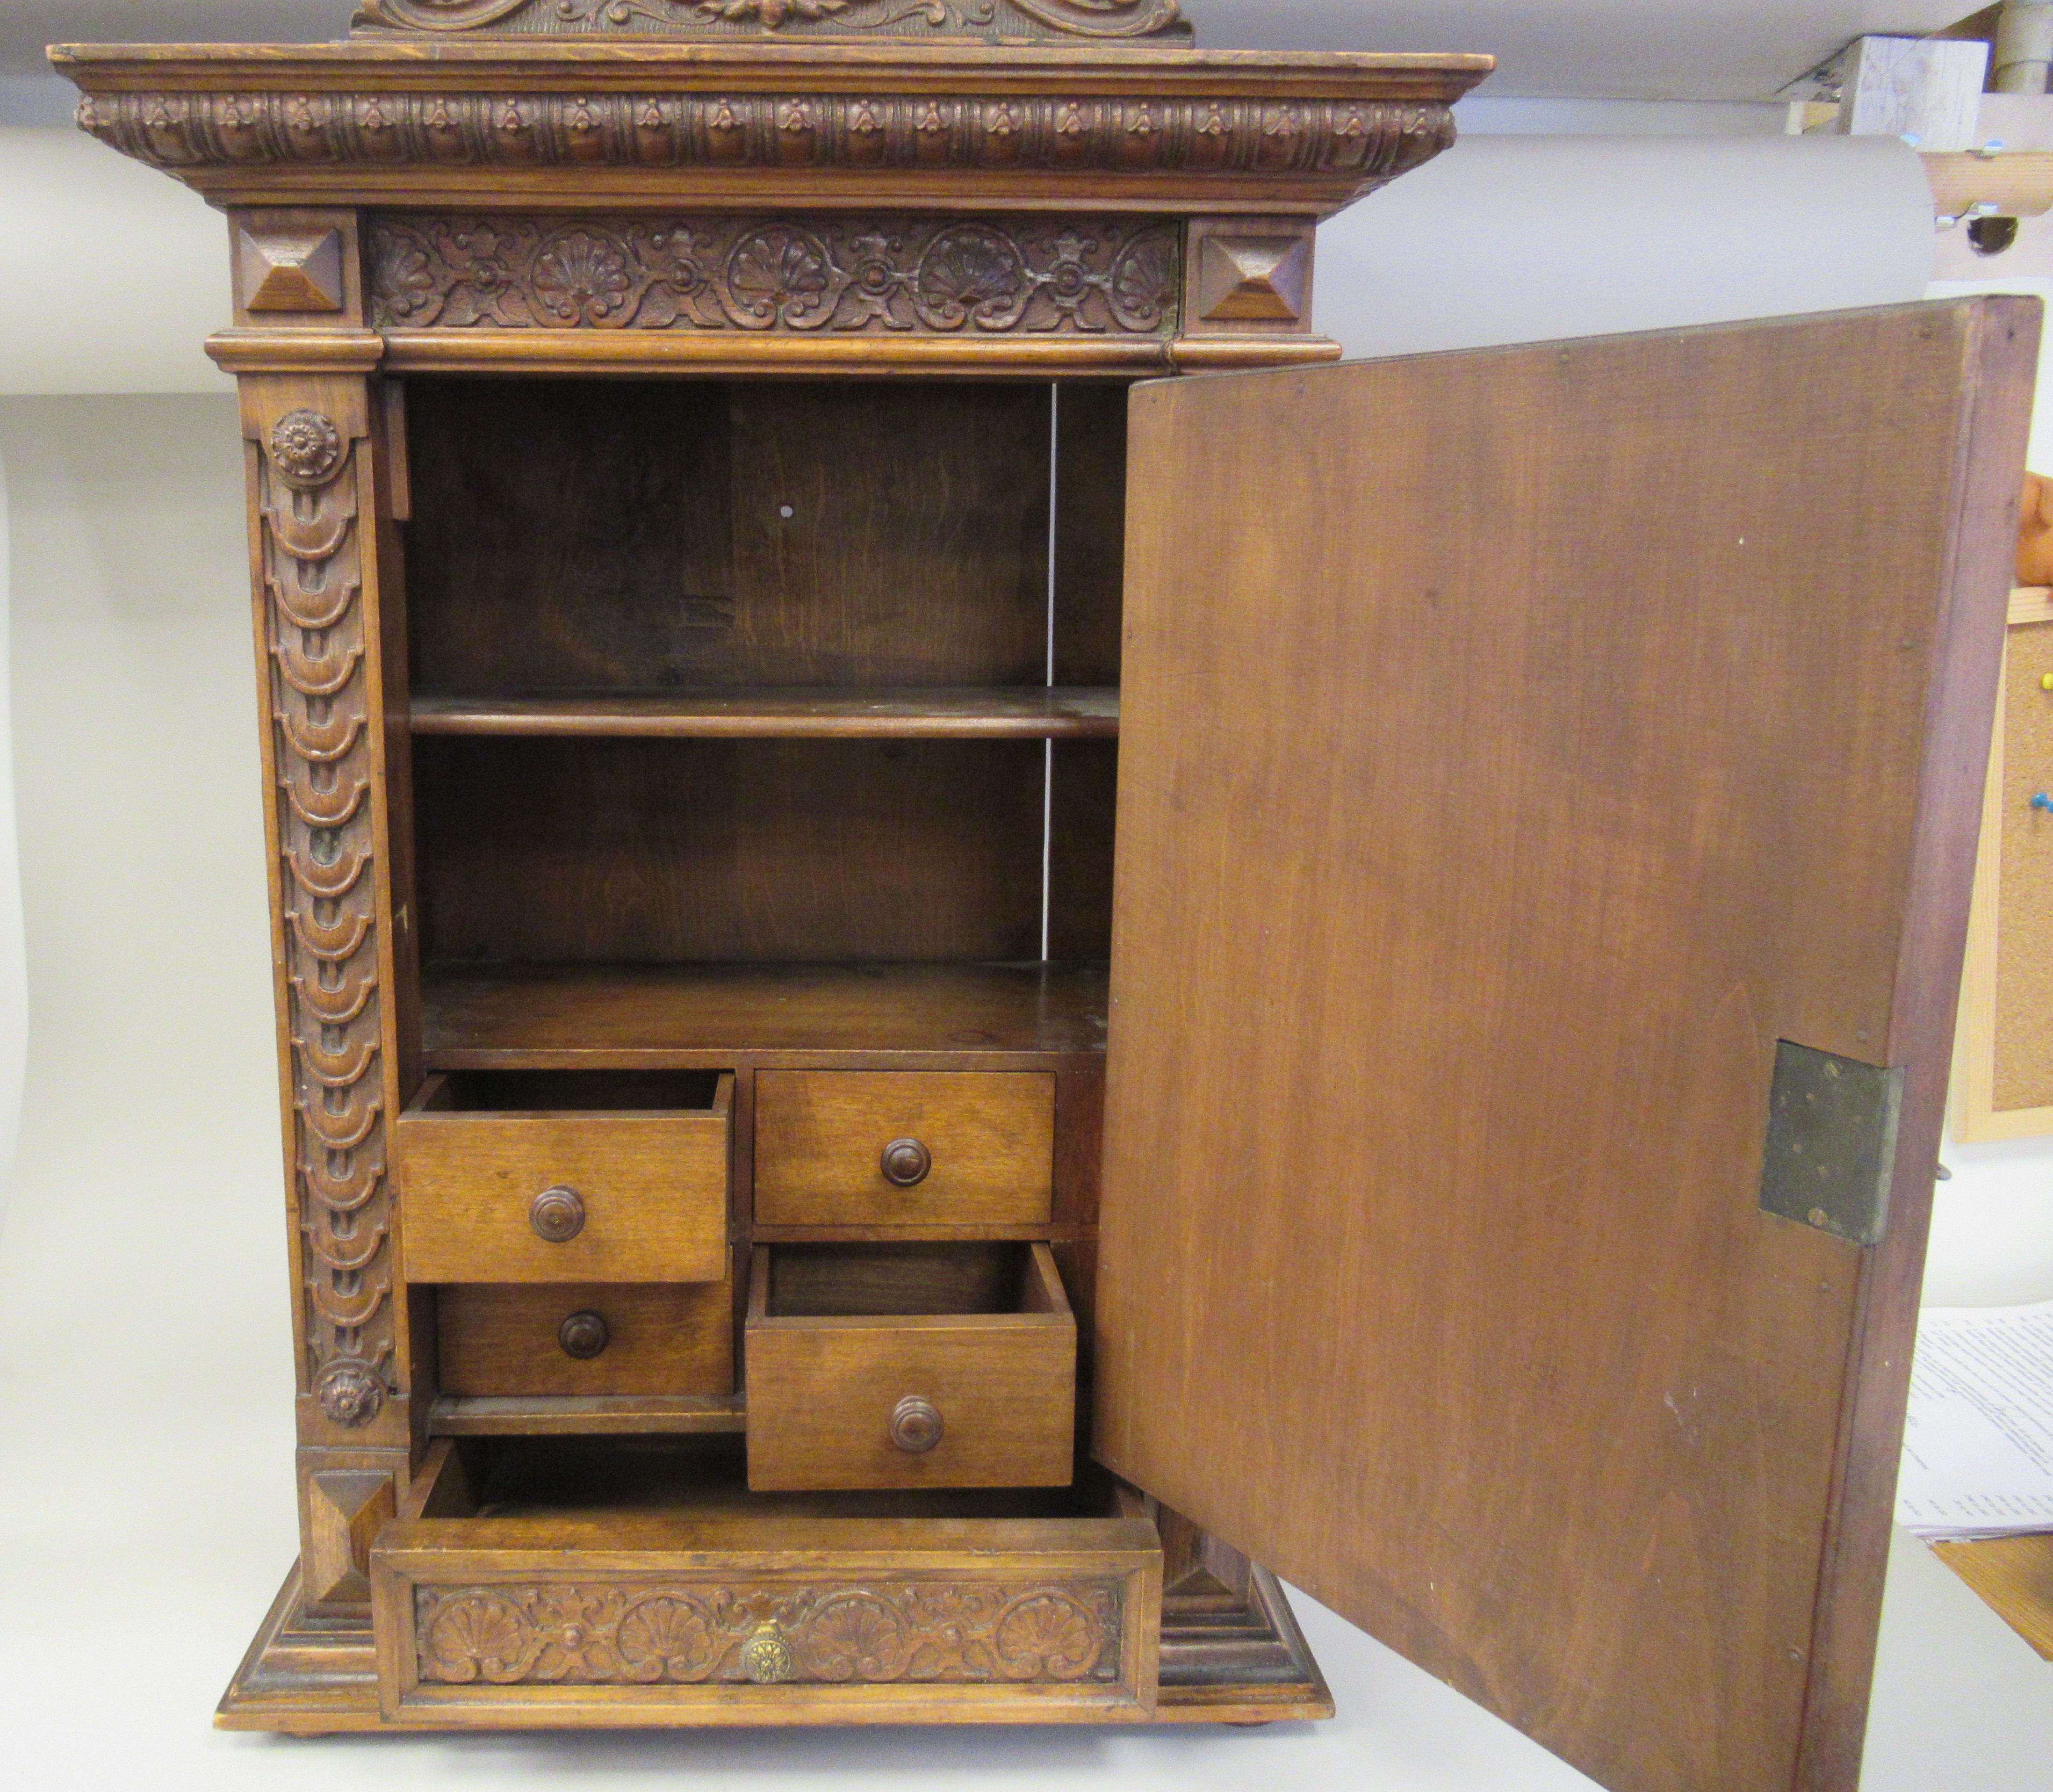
(1831, 1142)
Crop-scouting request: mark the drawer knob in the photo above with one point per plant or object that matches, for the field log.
(557, 1215)
(915, 1424)
(906, 1163)
(584, 1335)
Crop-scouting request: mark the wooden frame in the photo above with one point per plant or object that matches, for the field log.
(1975, 1118)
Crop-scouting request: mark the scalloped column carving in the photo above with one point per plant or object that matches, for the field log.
(311, 493)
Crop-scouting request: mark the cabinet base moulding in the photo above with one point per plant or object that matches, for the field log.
(1247, 1664)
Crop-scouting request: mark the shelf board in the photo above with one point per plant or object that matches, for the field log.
(1077, 713)
(537, 1017)
(605, 1416)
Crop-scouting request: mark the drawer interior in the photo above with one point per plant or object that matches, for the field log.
(572, 1092)
(879, 1281)
(535, 1478)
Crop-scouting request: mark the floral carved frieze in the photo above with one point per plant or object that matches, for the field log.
(979, 19)
(834, 274)
(1360, 143)
(953, 1632)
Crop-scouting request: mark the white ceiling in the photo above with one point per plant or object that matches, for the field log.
(1650, 49)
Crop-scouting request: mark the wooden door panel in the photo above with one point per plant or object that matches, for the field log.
(1516, 746)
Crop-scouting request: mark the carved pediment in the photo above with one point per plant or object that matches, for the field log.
(981, 21)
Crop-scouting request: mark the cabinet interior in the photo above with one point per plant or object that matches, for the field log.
(732, 673)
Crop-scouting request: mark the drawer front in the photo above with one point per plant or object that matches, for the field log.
(903, 1148)
(565, 1197)
(972, 1400)
(747, 1619)
(587, 1340)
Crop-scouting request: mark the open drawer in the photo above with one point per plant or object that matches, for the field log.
(909, 1365)
(585, 1177)
(535, 1581)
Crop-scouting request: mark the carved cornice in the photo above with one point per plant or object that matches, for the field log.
(1323, 150)
(830, 275)
(985, 20)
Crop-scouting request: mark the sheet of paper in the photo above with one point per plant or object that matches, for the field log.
(1978, 1443)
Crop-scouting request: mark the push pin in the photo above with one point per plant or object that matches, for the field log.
(2042, 801)
(2046, 683)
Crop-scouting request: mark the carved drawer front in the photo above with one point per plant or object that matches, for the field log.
(577, 1340)
(902, 1366)
(530, 1177)
(886, 1148)
(706, 1605)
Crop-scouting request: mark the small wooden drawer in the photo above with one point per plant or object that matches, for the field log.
(576, 1341)
(885, 1148)
(584, 1177)
(531, 1582)
(909, 1365)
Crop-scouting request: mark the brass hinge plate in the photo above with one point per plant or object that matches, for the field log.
(1831, 1142)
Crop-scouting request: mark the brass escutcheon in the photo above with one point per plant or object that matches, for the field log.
(766, 1657)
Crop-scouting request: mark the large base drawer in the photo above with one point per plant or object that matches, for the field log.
(675, 1597)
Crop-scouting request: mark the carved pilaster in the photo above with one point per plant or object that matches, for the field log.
(312, 494)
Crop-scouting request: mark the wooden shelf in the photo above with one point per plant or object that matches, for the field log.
(536, 1017)
(1089, 713)
(608, 1416)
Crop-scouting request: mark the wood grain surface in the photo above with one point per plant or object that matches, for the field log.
(812, 714)
(653, 1187)
(820, 1137)
(710, 1015)
(733, 851)
(502, 1341)
(822, 1388)
(1515, 746)
(2014, 1576)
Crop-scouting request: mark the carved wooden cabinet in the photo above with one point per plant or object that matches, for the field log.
(938, 987)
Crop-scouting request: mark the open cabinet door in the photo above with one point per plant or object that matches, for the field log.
(1548, 787)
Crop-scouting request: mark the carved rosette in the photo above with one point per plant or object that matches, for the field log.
(1365, 141)
(983, 20)
(948, 1633)
(320, 712)
(830, 274)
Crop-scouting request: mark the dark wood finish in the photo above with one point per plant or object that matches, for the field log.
(577, 1196)
(840, 1340)
(670, 851)
(710, 1015)
(590, 1415)
(555, 124)
(639, 538)
(703, 1603)
(1461, 909)
(882, 1147)
(819, 714)
(599, 1340)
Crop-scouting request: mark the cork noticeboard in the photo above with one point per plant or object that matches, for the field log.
(2003, 1068)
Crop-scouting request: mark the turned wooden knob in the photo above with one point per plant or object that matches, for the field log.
(906, 1163)
(557, 1215)
(584, 1335)
(915, 1424)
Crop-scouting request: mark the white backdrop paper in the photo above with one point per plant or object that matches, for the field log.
(1519, 239)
